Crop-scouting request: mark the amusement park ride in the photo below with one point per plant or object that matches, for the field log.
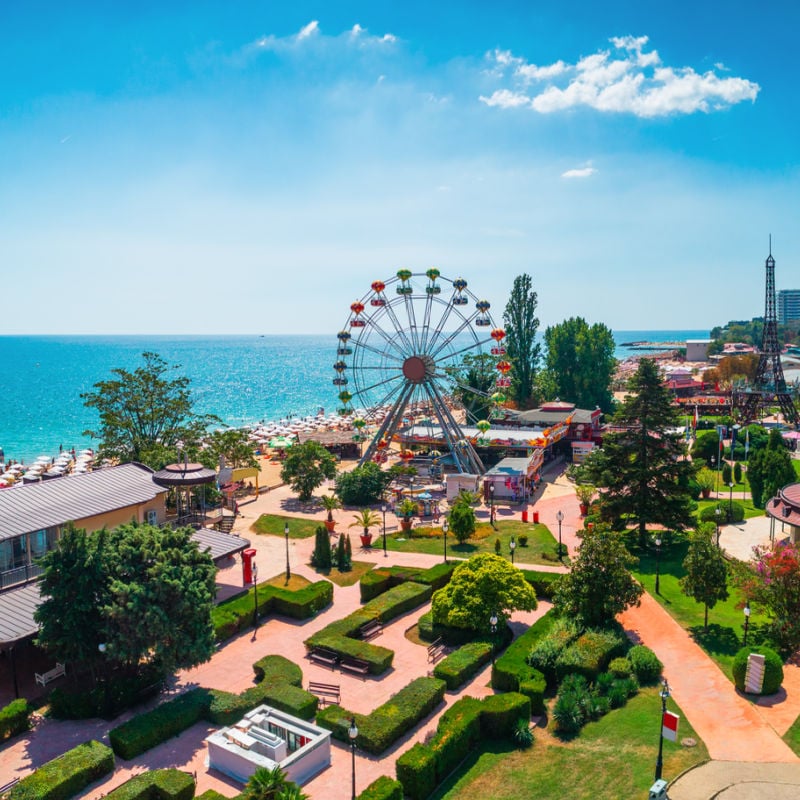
(398, 356)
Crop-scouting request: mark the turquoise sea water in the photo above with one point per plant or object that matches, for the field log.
(241, 379)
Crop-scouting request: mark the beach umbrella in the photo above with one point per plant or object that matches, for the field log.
(281, 441)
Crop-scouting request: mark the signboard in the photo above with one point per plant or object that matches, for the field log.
(754, 677)
(669, 726)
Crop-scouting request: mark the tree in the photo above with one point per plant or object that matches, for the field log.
(769, 470)
(321, 558)
(599, 585)
(233, 444)
(580, 363)
(474, 381)
(462, 521)
(146, 415)
(330, 502)
(642, 468)
(271, 784)
(306, 466)
(365, 519)
(483, 585)
(706, 578)
(522, 347)
(706, 447)
(363, 485)
(144, 592)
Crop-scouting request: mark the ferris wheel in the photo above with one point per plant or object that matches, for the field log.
(399, 359)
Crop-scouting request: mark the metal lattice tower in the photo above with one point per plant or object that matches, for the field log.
(769, 386)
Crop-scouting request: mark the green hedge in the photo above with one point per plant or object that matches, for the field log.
(159, 784)
(430, 631)
(340, 636)
(66, 775)
(729, 512)
(278, 688)
(423, 767)
(387, 723)
(463, 663)
(512, 673)
(236, 614)
(15, 718)
(382, 579)
(384, 788)
(211, 794)
(542, 582)
(590, 653)
(773, 669)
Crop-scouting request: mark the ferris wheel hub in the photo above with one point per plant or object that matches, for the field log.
(417, 369)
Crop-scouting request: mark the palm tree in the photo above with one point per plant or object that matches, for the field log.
(467, 498)
(366, 519)
(291, 792)
(330, 502)
(266, 784)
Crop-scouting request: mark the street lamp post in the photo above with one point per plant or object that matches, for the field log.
(493, 623)
(383, 509)
(658, 563)
(746, 622)
(714, 467)
(445, 528)
(286, 536)
(491, 503)
(352, 732)
(730, 503)
(560, 518)
(664, 694)
(717, 515)
(255, 595)
(512, 546)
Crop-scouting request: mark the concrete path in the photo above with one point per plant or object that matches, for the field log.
(728, 780)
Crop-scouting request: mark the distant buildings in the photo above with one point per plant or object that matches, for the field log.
(788, 302)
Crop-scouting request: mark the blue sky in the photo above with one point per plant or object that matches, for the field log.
(251, 167)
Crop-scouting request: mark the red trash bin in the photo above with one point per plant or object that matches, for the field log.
(247, 565)
(524, 516)
(535, 516)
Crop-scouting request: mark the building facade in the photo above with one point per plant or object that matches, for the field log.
(788, 302)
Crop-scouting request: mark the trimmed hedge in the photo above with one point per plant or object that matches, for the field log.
(512, 673)
(384, 788)
(382, 579)
(159, 784)
(730, 512)
(340, 635)
(542, 582)
(278, 689)
(66, 775)
(773, 669)
(211, 794)
(423, 767)
(236, 614)
(15, 718)
(463, 663)
(387, 723)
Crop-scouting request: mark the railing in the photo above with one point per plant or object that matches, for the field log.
(24, 574)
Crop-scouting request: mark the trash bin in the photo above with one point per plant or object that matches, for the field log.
(524, 516)
(658, 791)
(247, 565)
(535, 516)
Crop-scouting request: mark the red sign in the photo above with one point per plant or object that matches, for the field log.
(669, 726)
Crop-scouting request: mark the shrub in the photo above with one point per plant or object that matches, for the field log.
(523, 539)
(542, 582)
(463, 663)
(160, 784)
(321, 557)
(590, 653)
(730, 512)
(429, 631)
(388, 722)
(502, 712)
(416, 772)
(15, 718)
(645, 664)
(619, 668)
(773, 669)
(523, 735)
(547, 650)
(606, 680)
(458, 731)
(66, 775)
(272, 669)
(373, 583)
(283, 696)
(568, 713)
(737, 472)
(727, 473)
(211, 794)
(225, 708)
(497, 546)
(384, 788)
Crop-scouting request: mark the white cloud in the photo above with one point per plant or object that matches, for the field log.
(631, 81)
(356, 30)
(581, 172)
(308, 30)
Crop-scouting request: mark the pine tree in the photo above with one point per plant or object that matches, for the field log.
(521, 343)
(348, 553)
(706, 579)
(642, 469)
(770, 470)
(321, 558)
(341, 554)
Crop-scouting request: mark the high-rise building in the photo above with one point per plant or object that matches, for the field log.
(788, 305)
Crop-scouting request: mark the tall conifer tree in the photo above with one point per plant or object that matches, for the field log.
(523, 350)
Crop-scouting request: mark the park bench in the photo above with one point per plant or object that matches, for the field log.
(327, 692)
(352, 664)
(371, 629)
(45, 677)
(323, 656)
(435, 649)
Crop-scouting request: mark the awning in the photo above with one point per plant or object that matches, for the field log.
(219, 545)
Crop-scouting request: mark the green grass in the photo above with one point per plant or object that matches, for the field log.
(792, 736)
(347, 578)
(749, 509)
(796, 465)
(725, 620)
(542, 548)
(272, 525)
(296, 582)
(611, 758)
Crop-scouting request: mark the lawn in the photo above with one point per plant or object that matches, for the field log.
(346, 578)
(296, 582)
(792, 736)
(796, 465)
(612, 758)
(725, 620)
(272, 525)
(541, 548)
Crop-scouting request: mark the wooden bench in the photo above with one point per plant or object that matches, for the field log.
(323, 656)
(327, 692)
(435, 649)
(371, 629)
(45, 677)
(352, 664)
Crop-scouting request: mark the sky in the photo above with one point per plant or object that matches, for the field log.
(251, 167)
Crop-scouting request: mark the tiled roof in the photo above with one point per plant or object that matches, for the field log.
(35, 506)
(16, 612)
(218, 544)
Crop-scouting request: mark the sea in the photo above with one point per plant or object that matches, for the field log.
(243, 380)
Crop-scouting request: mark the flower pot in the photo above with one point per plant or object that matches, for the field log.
(330, 524)
(405, 524)
(584, 509)
(366, 540)
(705, 493)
